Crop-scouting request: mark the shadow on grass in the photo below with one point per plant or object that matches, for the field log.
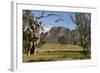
(40, 60)
(57, 56)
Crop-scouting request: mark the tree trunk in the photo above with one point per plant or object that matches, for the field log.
(84, 52)
(28, 53)
(33, 49)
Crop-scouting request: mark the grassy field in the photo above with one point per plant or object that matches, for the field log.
(56, 52)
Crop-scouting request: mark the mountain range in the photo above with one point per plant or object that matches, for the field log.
(55, 32)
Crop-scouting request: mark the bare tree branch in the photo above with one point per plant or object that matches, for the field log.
(72, 19)
(44, 16)
(59, 20)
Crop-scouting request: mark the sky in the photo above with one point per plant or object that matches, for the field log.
(51, 21)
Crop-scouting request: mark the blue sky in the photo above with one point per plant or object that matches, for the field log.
(49, 22)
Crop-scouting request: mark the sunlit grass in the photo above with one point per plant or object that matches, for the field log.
(56, 52)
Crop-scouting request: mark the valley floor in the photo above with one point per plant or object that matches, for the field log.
(56, 52)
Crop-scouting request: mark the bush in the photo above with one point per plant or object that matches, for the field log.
(62, 40)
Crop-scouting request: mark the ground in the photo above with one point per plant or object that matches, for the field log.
(56, 52)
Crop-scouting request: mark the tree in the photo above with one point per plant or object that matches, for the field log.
(31, 30)
(62, 40)
(83, 21)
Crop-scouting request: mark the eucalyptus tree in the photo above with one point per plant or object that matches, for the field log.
(32, 28)
(83, 22)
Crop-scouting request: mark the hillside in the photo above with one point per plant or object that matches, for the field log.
(55, 32)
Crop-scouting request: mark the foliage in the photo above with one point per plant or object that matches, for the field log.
(83, 21)
(62, 40)
(31, 28)
(42, 42)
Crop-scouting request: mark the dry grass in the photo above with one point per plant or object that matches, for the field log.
(58, 47)
(55, 52)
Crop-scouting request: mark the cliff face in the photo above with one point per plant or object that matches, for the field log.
(55, 32)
